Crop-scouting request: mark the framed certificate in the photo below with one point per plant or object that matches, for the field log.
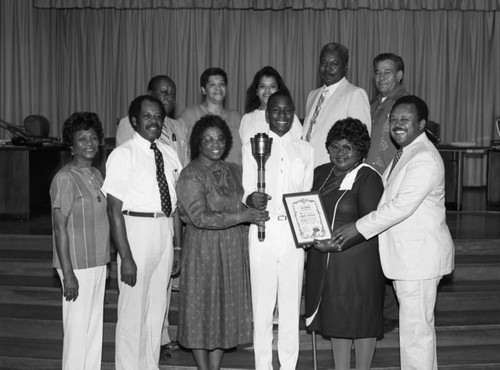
(307, 218)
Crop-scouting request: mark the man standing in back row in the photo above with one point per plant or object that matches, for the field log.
(336, 99)
(173, 133)
(388, 73)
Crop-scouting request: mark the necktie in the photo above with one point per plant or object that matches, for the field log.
(166, 133)
(166, 203)
(315, 115)
(398, 155)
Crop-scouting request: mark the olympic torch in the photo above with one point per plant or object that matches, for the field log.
(261, 151)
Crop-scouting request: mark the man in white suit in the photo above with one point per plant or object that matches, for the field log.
(415, 245)
(276, 265)
(336, 99)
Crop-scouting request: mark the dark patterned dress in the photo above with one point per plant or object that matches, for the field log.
(215, 308)
(346, 289)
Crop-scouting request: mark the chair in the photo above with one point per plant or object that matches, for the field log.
(432, 130)
(36, 126)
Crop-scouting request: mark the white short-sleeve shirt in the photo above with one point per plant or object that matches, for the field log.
(131, 175)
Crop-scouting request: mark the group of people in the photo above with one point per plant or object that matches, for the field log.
(183, 196)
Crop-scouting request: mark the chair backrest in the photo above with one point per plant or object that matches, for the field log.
(36, 126)
(432, 130)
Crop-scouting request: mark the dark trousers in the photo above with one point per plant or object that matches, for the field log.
(391, 305)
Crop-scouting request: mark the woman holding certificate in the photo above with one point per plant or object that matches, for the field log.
(345, 291)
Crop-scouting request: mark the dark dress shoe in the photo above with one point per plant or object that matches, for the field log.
(164, 354)
(390, 324)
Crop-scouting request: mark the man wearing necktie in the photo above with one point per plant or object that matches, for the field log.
(140, 187)
(173, 133)
(415, 245)
(335, 100)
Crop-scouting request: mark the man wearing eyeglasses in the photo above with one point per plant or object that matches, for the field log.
(276, 265)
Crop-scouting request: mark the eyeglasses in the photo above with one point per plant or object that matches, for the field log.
(346, 149)
(210, 140)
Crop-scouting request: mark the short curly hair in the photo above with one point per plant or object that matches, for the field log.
(81, 121)
(212, 71)
(354, 131)
(205, 122)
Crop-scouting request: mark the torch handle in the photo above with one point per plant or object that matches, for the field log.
(261, 187)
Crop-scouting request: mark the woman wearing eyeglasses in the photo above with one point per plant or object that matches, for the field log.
(215, 310)
(345, 291)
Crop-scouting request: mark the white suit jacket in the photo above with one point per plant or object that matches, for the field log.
(347, 101)
(414, 240)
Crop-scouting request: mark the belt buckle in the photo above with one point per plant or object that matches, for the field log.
(281, 218)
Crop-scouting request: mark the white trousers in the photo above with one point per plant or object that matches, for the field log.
(165, 335)
(276, 270)
(141, 308)
(417, 336)
(82, 321)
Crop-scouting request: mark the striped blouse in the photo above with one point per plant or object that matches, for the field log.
(76, 192)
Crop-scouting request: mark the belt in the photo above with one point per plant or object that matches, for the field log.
(144, 214)
(281, 218)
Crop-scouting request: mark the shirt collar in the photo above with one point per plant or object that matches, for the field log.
(395, 94)
(415, 142)
(143, 143)
(285, 138)
(329, 90)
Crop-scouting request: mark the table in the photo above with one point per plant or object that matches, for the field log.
(26, 173)
(493, 178)
(458, 153)
(25, 176)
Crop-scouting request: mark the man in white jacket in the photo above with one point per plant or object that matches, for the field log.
(415, 245)
(336, 99)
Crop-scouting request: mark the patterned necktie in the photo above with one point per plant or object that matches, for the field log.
(316, 113)
(398, 155)
(166, 203)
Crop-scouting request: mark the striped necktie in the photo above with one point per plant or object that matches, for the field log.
(166, 202)
(398, 155)
(316, 113)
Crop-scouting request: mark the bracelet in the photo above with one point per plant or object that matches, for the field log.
(177, 248)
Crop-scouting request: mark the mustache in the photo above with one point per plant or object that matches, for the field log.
(398, 128)
(157, 125)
